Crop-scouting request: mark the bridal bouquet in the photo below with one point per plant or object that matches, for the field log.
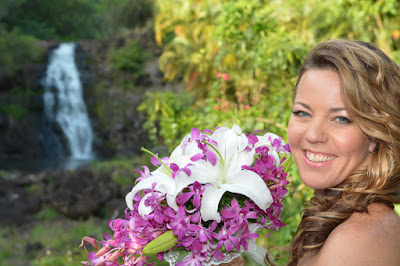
(203, 204)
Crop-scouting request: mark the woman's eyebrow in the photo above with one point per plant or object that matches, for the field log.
(303, 104)
(331, 110)
(336, 109)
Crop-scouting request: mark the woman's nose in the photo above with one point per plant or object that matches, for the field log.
(317, 132)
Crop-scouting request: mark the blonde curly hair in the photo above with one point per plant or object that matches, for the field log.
(370, 89)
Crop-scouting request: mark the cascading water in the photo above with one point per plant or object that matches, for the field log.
(63, 101)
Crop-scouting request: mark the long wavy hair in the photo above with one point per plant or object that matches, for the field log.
(370, 89)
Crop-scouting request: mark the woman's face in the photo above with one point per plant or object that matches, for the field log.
(326, 145)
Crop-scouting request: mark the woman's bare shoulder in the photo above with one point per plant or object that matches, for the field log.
(371, 238)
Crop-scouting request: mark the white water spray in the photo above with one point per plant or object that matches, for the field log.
(63, 101)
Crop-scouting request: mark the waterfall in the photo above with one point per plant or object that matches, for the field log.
(63, 101)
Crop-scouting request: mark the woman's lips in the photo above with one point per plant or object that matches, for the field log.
(318, 159)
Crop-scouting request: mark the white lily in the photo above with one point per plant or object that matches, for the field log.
(163, 180)
(228, 175)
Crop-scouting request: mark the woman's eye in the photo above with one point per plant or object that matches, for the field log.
(343, 120)
(300, 113)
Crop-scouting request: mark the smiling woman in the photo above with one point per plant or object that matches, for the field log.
(344, 134)
(324, 140)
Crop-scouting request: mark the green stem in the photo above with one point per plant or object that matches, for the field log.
(209, 144)
(236, 115)
(158, 158)
(221, 162)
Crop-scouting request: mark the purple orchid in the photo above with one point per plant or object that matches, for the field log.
(194, 259)
(196, 191)
(226, 237)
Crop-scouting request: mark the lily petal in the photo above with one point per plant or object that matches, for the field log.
(267, 139)
(251, 185)
(209, 203)
(186, 148)
(202, 175)
(241, 158)
(229, 140)
(164, 184)
(143, 209)
(171, 201)
(276, 157)
(202, 172)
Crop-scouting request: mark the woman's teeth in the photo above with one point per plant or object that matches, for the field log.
(317, 158)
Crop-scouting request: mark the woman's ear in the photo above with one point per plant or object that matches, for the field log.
(372, 146)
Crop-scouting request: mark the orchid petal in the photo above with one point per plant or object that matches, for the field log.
(207, 131)
(211, 157)
(184, 197)
(90, 240)
(154, 161)
(195, 133)
(196, 157)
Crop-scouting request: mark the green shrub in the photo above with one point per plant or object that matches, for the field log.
(16, 51)
(261, 43)
(122, 170)
(130, 58)
(166, 113)
(15, 111)
(74, 19)
(125, 13)
(63, 20)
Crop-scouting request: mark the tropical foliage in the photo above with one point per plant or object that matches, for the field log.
(129, 59)
(260, 45)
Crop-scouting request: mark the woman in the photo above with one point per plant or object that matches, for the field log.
(344, 134)
(345, 138)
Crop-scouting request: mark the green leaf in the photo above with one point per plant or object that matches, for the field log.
(287, 163)
(397, 209)
(162, 243)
